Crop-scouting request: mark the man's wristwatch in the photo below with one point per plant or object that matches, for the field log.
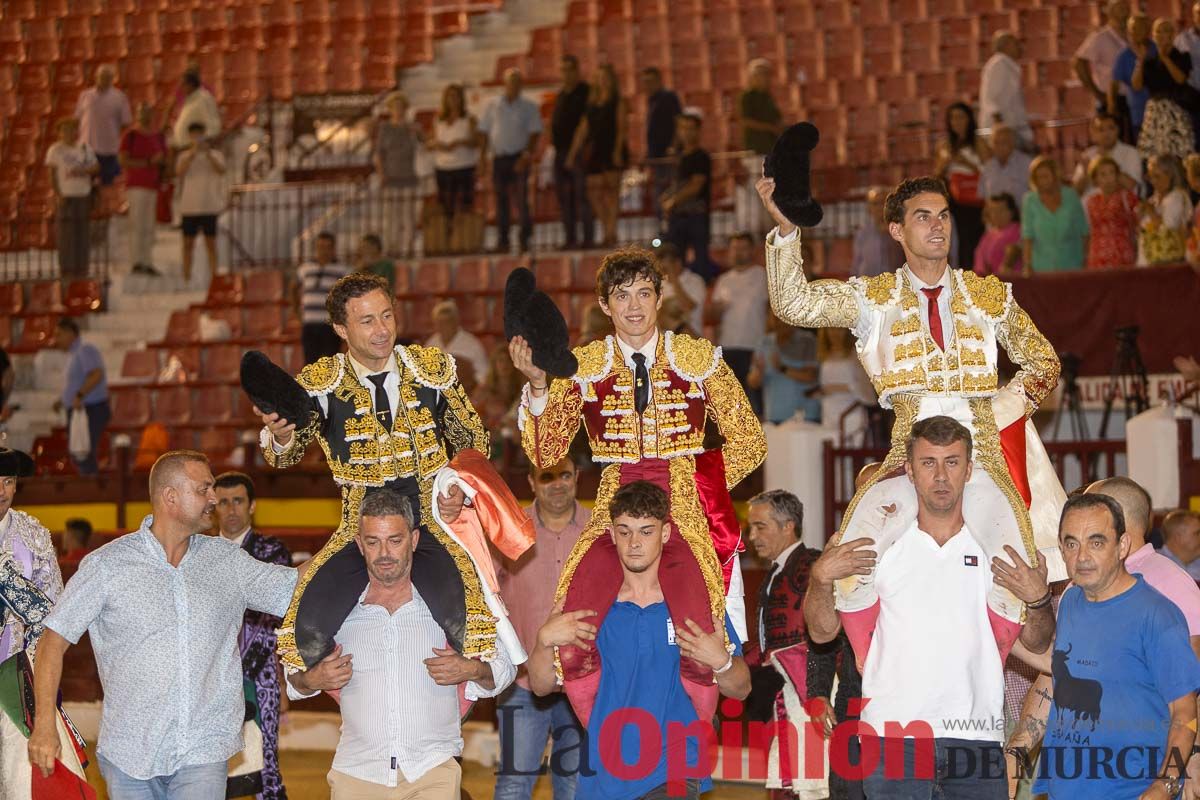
(1172, 784)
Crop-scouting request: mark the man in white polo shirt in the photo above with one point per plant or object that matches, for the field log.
(933, 669)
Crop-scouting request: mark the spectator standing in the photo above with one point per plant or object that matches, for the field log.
(1162, 232)
(959, 163)
(935, 570)
(397, 141)
(141, 598)
(739, 297)
(512, 126)
(1181, 541)
(1167, 127)
(455, 154)
(1104, 133)
(86, 388)
(76, 541)
(314, 279)
(1001, 97)
(570, 182)
(784, 369)
(1054, 226)
(760, 122)
(370, 258)
(498, 397)
(662, 108)
(1007, 171)
(400, 683)
(1138, 49)
(103, 112)
(199, 107)
(450, 337)
(1131, 644)
(8, 379)
(1112, 212)
(71, 164)
(688, 203)
(200, 171)
(143, 157)
(1188, 41)
(527, 586)
(875, 251)
(999, 251)
(682, 285)
(256, 643)
(841, 383)
(1094, 60)
(600, 146)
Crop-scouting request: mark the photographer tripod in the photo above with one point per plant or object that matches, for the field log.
(1128, 377)
(1071, 402)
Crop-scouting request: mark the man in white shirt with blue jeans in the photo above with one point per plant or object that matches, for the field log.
(396, 677)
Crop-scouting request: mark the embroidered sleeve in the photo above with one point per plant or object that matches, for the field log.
(745, 443)
(819, 304)
(822, 666)
(547, 437)
(293, 452)
(28, 603)
(1038, 364)
(46, 574)
(463, 426)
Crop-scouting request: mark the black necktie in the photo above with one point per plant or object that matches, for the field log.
(641, 383)
(383, 409)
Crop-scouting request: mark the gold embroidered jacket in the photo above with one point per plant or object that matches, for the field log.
(895, 348)
(691, 383)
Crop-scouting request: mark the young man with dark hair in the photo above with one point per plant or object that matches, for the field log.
(1121, 665)
(929, 338)
(200, 168)
(662, 109)
(644, 396)
(642, 645)
(370, 259)
(235, 513)
(570, 183)
(687, 205)
(933, 661)
(385, 415)
(77, 534)
(739, 297)
(314, 281)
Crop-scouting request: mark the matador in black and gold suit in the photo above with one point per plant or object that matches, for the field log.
(431, 420)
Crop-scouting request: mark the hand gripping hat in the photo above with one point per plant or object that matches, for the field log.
(273, 390)
(531, 314)
(788, 165)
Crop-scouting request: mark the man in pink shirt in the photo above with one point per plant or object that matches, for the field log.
(103, 112)
(527, 586)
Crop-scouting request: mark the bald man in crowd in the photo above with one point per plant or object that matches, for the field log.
(163, 606)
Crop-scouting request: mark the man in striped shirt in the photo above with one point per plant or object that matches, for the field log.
(314, 279)
(400, 683)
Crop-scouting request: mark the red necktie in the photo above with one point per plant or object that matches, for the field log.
(935, 316)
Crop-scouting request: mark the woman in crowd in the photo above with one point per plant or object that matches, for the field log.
(396, 143)
(999, 251)
(1112, 212)
(496, 398)
(600, 146)
(842, 385)
(456, 152)
(785, 369)
(1167, 125)
(1162, 232)
(959, 162)
(1054, 228)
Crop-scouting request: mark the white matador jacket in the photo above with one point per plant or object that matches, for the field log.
(1013, 497)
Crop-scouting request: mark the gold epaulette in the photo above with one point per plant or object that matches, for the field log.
(323, 375)
(691, 358)
(595, 360)
(430, 366)
(990, 295)
(880, 291)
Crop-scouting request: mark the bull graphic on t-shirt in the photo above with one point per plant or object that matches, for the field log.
(1081, 695)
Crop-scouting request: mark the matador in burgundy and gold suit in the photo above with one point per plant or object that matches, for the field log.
(690, 385)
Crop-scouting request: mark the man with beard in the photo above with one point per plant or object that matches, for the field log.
(29, 584)
(401, 686)
(163, 606)
(235, 512)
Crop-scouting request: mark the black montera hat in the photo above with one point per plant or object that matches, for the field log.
(788, 165)
(531, 314)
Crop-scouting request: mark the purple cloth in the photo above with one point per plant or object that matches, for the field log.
(257, 644)
(24, 557)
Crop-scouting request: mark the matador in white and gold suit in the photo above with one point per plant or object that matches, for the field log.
(933, 350)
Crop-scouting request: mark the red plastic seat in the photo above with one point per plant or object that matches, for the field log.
(263, 286)
(213, 406)
(182, 328)
(83, 296)
(12, 299)
(262, 322)
(232, 315)
(432, 277)
(553, 273)
(131, 407)
(140, 366)
(219, 444)
(189, 360)
(173, 405)
(36, 333)
(224, 290)
(222, 363)
(472, 275)
(5, 332)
